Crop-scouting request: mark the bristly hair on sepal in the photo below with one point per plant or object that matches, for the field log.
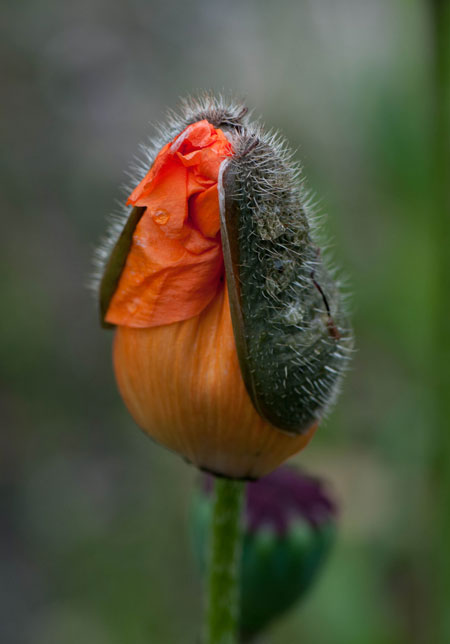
(291, 326)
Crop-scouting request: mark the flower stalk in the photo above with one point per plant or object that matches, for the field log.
(224, 563)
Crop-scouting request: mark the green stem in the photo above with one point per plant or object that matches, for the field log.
(224, 563)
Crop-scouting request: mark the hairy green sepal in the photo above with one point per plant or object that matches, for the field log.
(116, 263)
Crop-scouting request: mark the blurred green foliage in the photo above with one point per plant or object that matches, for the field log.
(94, 537)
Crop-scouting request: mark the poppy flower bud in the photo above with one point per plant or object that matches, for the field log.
(231, 338)
(289, 529)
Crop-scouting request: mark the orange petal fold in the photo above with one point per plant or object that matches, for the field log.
(175, 264)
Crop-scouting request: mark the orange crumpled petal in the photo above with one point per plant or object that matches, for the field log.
(175, 264)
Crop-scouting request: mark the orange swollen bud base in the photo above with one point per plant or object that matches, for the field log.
(183, 386)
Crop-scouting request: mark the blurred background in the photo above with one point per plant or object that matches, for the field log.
(94, 532)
